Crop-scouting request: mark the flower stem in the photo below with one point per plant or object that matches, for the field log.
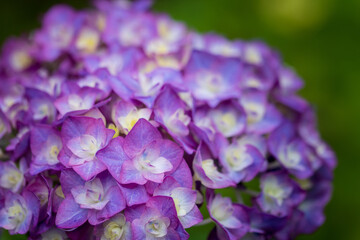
(238, 196)
(204, 222)
(250, 192)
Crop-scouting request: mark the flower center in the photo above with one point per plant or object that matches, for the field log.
(61, 34)
(211, 170)
(17, 213)
(291, 157)
(89, 144)
(224, 122)
(157, 227)
(274, 191)
(54, 152)
(210, 82)
(91, 195)
(150, 85)
(254, 112)
(53, 234)
(150, 161)
(113, 63)
(237, 158)
(113, 231)
(252, 55)
(75, 102)
(85, 147)
(11, 179)
(178, 117)
(88, 40)
(42, 111)
(223, 212)
(129, 121)
(20, 60)
(221, 208)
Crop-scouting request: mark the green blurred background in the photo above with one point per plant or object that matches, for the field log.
(320, 38)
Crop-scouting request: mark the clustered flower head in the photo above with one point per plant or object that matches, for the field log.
(117, 123)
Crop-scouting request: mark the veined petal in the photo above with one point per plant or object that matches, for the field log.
(70, 215)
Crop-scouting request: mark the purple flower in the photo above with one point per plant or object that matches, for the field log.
(289, 81)
(49, 85)
(17, 55)
(228, 119)
(11, 177)
(264, 224)
(212, 78)
(241, 161)
(54, 233)
(258, 141)
(82, 138)
(11, 94)
(96, 200)
(19, 212)
(128, 32)
(232, 221)
(279, 194)
(289, 84)
(262, 117)
(56, 35)
(87, 40)
(95, 81)
(125, 115)
(40, 186)
(19, 144)
(290, 150)
(148, 83)
(45, 144)
(217, 45)
(207, 172)
(312, 208)
(184, 200)
(83, 99)
(116, 227)
(102, 112)
(258, 54)
(142, 156)
(56, 197)
(41, 105)
(156, 219)
(168, 37)
(170, 111)
(309, 134)
(134, 194)
(114, 61)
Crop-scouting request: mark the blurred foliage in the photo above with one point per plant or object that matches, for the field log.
(319, 38)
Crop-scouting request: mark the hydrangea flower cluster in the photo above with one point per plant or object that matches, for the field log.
(117, 123)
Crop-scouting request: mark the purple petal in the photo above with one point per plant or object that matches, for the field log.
(69, 179)
(115, 205)
(172, 152)
(183, 175)
(207, 172)
(70, 215)
(89, 169)
(191, 218)
(129, 174)
(113, 157)
(141, 135)
(134, 194)
(33, 204)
